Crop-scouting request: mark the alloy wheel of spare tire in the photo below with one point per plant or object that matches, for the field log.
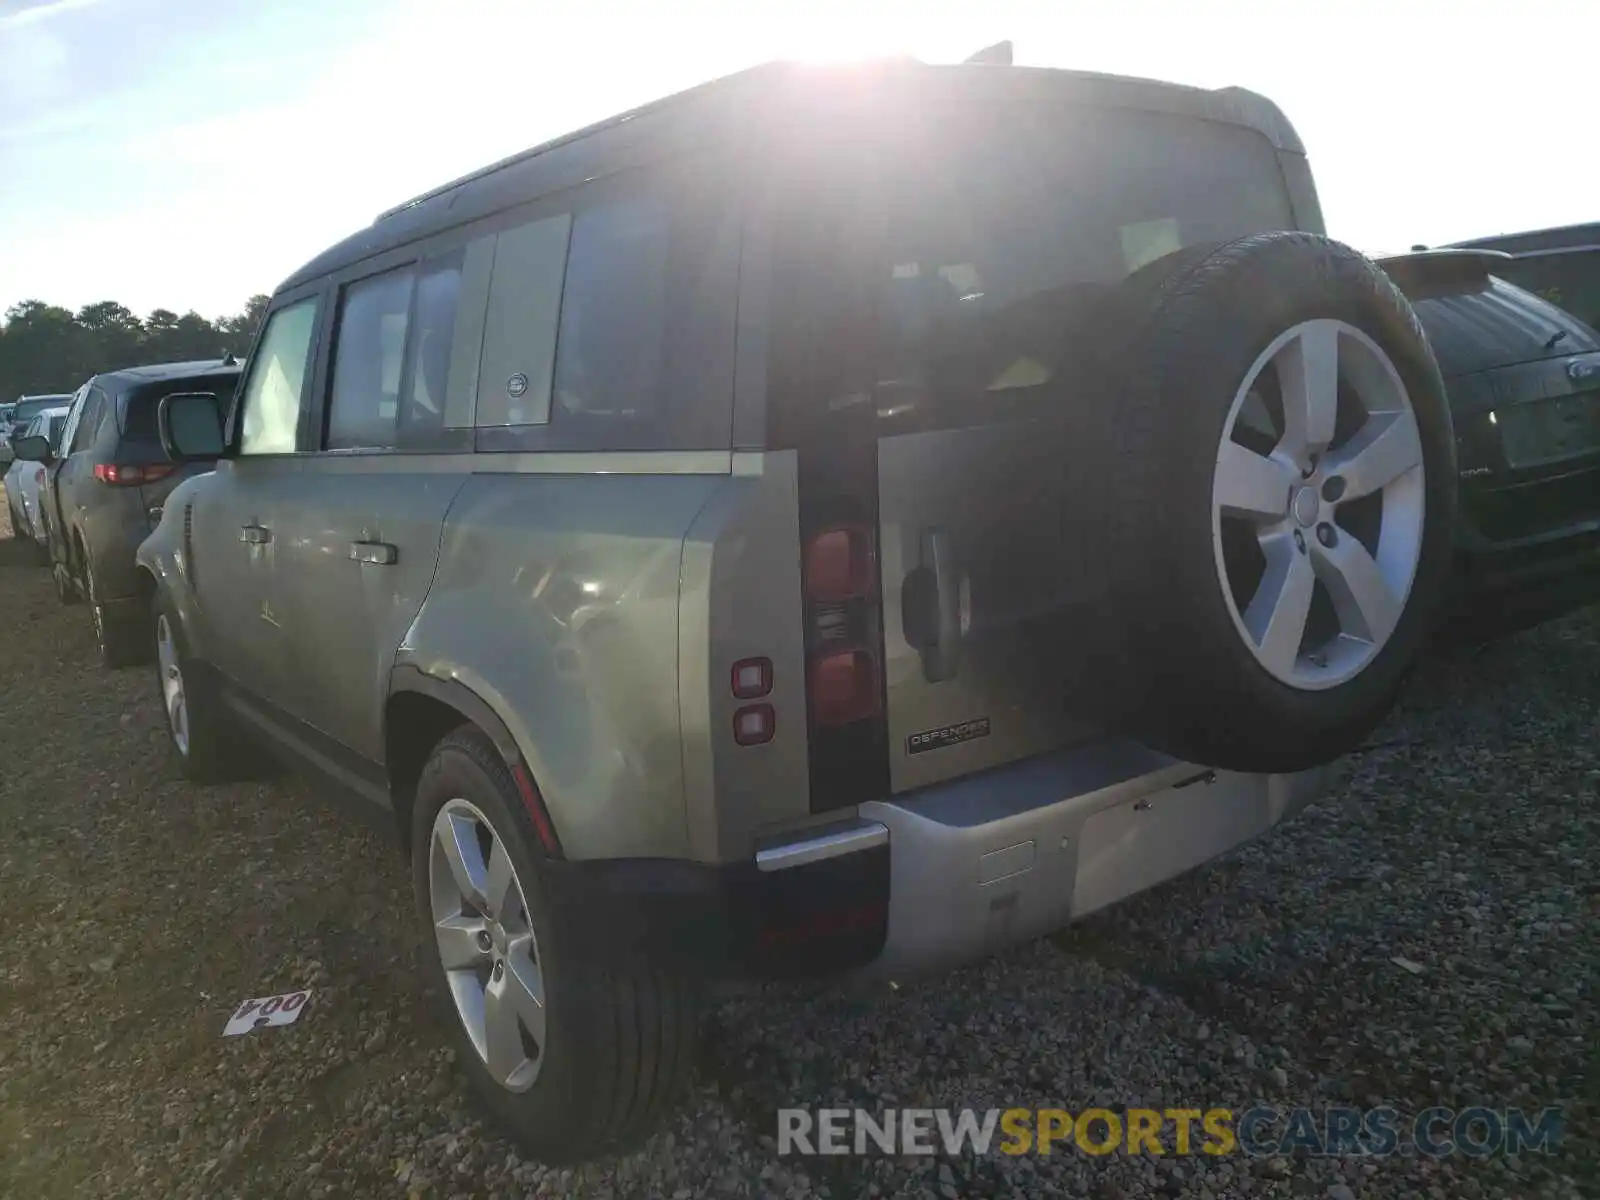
(1263, 478)
(1292, 496)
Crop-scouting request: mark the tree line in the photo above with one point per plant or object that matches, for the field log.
(45, 348)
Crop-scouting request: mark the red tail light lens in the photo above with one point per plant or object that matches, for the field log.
(838, 564)
(132, 475)
(844, 687)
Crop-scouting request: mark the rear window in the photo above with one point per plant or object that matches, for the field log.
(26, 410)
(961, 251)
(139, 408)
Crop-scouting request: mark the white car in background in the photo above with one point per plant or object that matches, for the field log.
(22, 479)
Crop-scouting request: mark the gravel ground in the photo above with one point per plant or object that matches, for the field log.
(140, 910)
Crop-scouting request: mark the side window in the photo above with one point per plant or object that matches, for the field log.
(275, 391)
(430, 357)
(73, 414)
(88, 421)
(368, 356)
(637, 297)
(519, 334)
(613, 312)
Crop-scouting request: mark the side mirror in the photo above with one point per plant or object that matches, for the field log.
(32, 449)
(190, 426)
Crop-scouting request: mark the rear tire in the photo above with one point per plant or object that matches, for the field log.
(66, 589)
(615, 1045)
(120, 631)
(1170, 462)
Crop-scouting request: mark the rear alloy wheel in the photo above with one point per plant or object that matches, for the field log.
(1337, 501)
(118, 631)
(66, 589)
(577, 1049)
(486, 945)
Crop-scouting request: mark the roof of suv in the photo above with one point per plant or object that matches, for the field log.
(727, 103)
(1558, 237)
(164, 372)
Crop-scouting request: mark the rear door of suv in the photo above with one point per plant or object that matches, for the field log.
(390, 448)
(937, 274)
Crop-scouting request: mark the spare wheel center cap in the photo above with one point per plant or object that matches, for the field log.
(1305, 505)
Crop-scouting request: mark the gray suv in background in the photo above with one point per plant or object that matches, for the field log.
(102, 494)
(828, 521)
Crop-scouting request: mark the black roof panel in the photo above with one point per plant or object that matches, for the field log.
(159, 372)
(721, 109)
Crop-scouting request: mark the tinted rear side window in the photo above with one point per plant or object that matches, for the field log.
(645, 335)
(369, 355)
(613, 313)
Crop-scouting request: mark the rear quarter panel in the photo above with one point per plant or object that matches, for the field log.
(556, 601)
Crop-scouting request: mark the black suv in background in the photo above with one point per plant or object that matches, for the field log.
(1523, 380)
(103, 495)
(1562, 265)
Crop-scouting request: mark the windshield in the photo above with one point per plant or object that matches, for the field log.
(966, 255)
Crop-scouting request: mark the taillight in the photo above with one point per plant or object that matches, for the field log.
(839, 564)
(839, 571)
(38, 476)
(844, 687)
(132, 475)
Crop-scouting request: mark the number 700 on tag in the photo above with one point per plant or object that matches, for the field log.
(268, 1010)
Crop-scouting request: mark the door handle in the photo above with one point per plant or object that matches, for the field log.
(379, 554)
(941, 658)
(255, 535)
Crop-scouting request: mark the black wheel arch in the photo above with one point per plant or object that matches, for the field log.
(419, 711)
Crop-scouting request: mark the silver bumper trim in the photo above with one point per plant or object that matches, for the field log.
(829, 845)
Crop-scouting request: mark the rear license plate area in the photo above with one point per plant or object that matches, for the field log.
(1549, 431)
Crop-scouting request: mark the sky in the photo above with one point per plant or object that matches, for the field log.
(186, 154)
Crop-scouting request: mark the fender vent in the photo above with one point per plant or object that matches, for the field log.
(188, 540)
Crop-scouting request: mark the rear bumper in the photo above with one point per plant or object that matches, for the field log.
(936, 878)
(1513, 587)
(986, 862)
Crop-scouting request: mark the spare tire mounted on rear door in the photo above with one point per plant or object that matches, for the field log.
(1267, 482)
